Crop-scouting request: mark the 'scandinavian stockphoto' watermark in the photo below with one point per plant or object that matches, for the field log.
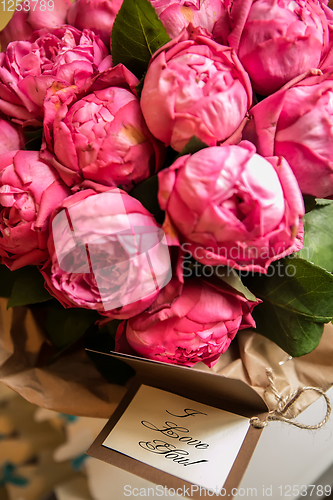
(193, 268)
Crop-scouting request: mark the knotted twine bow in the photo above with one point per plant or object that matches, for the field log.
(284, 403)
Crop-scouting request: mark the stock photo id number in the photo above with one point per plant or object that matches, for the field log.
(27, 5)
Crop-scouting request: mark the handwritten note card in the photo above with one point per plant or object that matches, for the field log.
(190, 440)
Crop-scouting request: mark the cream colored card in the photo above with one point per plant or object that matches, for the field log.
(195, 442)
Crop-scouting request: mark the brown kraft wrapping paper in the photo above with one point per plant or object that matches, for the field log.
(70, 383)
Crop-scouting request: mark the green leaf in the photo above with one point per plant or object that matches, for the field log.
(170, 157)
(28, 288)
(146, 193)
(318, 238)
(323, 202)
(136, 34)
(113, 370)
(33, 145)
(7, 280)
(214, 275)
(66, 326)
(33, 139)
(139, 86)
(33, 133)
(231, 278)
(111, 328)
(193, 146)
(309, 202)
(297, 301)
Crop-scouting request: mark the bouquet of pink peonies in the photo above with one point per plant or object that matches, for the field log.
(166, 173)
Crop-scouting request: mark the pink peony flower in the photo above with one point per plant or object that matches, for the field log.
(177, 14)
(95, 15)
(11, 137)
(29, 192)
(327, 8)
(296, 122)
(276, 40)
(198, 326)
(101, 137)
(24, 22)
(195, 86)
(232, 207)
(50, 57)
(107, 253)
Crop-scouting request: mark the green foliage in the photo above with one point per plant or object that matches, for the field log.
(139, 86)
(114, 370)
(7, 280)
(318, 239)
(229, 277)
(23, 287)
(66, 326)
(297, 301)
(232, 279)
(33, 139)
(309, 203)
(146, 193)
(193, 146)
(136, 34)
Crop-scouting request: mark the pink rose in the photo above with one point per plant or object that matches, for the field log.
(233, 207)
(24, 23)
(107, 254)
(11, 137)
(51, 56)
(276, 40)
(177, 14)
(95, 15)
(296, 122)
(29, 192)
(101, 137)
(198, 326)
(195, 86)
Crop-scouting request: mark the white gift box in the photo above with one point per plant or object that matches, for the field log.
(277, 461)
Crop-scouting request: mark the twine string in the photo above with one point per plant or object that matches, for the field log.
(285, 403)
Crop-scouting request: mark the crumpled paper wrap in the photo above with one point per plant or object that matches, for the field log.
(71, 384)
(254, 354)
